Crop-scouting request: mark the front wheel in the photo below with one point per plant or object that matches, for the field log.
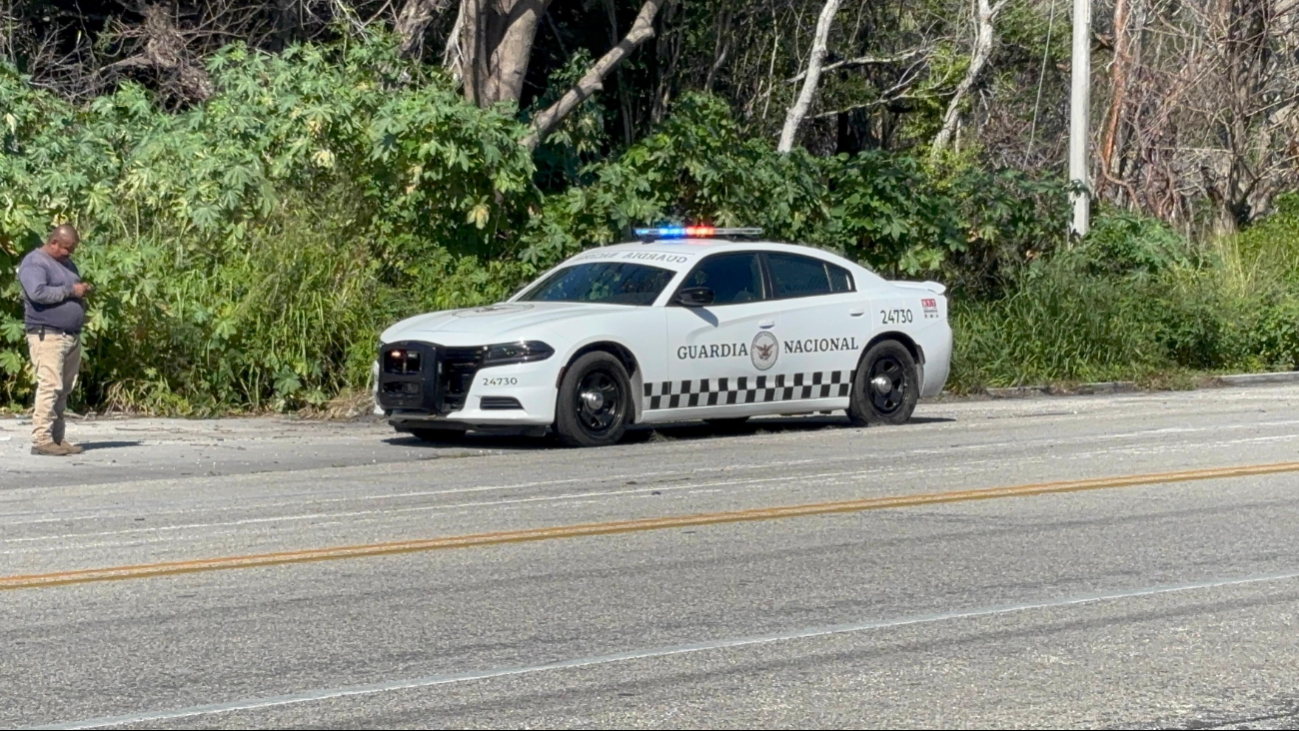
(886, 388)
(594, 405)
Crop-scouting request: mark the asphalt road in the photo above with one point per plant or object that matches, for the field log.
(278, 574)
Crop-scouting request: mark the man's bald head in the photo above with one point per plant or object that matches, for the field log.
(62, 242)
(64, 234)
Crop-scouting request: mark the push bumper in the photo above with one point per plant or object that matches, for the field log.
(417, 383)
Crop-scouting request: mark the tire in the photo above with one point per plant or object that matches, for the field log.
(869, 405)
(588, 421)
(438, 436)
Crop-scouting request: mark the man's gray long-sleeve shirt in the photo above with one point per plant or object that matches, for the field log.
(47, 283)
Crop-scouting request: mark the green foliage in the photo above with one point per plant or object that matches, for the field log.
(580, 137)
(1135, 300)
(1059, 323)
(1026, 26)
(246, 252)
(888, 210)
(1123, 242)
(1275, 239)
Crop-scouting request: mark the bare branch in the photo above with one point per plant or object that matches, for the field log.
(794, 119)
(985, 15)
(850, 63)
(593, 80)
(452, 56)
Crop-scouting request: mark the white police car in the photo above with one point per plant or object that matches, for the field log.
(689, 323)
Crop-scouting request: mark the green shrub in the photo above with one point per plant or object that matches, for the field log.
(1275, 239)
(889, 210)
(1061, 322)
(248, 251)
(1133, 300)
(1123, 243)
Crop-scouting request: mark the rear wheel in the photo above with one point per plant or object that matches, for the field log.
(594, 405)
(886, 388)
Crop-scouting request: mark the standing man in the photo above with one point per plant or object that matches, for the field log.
(55, 311)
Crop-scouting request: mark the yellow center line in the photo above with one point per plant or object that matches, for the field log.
(168, 568)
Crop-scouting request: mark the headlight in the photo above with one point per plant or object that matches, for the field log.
(520, 352)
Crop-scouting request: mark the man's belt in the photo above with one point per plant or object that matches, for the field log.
(41, 330)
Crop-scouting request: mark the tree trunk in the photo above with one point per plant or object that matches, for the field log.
(473, 49)
(720, 48)
(667, 54)
(413, 20)
(984, 17)
(624, 93)
(495, 47)
(794, 118)
(1119, 78)
(453, 58)
(516, 30)
(593, 80)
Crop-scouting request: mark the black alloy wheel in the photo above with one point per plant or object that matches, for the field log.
(594, 406)
(886, 387)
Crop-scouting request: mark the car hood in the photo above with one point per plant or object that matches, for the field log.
(496, 323)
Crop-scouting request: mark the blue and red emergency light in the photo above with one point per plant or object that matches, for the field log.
(694, 232)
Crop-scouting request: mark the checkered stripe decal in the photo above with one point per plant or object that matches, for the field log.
(747, 390)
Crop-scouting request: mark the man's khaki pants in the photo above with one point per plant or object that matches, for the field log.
(57, 358)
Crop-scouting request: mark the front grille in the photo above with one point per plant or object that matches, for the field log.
(458, 366)
(500, 403)
(426, 377)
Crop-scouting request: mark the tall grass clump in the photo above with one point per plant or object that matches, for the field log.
(1134, 301)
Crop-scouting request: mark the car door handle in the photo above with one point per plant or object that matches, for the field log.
(766, 324)
(856, 313)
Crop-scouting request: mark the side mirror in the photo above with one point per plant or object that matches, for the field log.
(695, 297)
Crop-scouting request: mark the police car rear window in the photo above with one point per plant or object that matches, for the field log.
(802, 276)
(840, 279)
(609, 283)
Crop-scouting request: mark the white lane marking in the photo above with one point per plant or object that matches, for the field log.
(333, 517)
(313, 696)
(825, 478)
(685, 474)
(891, 458)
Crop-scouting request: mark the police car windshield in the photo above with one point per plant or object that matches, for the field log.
(607, 283)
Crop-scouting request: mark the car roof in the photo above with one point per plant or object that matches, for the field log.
(683, 253)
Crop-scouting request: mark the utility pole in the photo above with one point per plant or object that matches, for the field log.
(1079, 110)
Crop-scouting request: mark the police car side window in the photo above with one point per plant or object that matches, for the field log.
(840, 279)
(734, 278)
(798, 276)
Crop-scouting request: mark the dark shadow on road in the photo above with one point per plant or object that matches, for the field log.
(95, 446)
(683, 431)
(773, 425)
(509, 442)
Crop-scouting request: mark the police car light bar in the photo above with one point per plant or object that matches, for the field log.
(693, 232)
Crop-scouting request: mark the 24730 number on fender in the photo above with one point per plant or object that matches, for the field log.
(500, 382)
(894, 317)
